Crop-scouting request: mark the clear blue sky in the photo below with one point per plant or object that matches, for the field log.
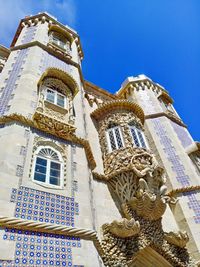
(125, 38)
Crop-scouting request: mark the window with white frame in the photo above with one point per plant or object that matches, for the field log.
(55, 97)
(48, 167)
(60, 41)
(138, 136)
(114, 137)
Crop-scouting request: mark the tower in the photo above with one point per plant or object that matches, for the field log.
(89, 178)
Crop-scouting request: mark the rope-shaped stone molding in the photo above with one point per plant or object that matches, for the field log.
(12, 222)
(177, 191)
(22, 224)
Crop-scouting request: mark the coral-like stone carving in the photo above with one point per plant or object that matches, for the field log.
(179, 239)
(125, 228)
(137, 159)
(137, 184)
(123, 251)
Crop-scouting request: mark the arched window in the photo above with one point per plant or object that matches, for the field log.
(48, 167)
(60, 38)
(138, 136)
(114, 137)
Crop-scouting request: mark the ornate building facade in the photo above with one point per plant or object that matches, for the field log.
(89, 178)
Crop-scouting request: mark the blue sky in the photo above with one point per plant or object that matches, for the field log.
(125, 38)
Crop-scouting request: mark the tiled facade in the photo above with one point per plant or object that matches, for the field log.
(40, 249)
(44, 207)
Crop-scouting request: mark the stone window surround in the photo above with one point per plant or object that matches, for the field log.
(46, 183)
(60, 41)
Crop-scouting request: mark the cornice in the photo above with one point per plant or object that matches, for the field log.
(92, 88)
(57, 53)
(51, 50)
(53, 127)
(44, 17)
(118, 105)
(4, 50)
(168, 115)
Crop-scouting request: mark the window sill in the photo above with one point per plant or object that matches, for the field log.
(55, 107)
(59, 49)
(48, 185)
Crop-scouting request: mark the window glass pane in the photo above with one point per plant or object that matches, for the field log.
(40, 168)
(134, 135)
(50, 96)
(58, 41)
(118, 138)
(55, 165)
(141, 138)
(60, 100)
(54, 181)
(39, 177)
(55, 173)
(62, 44)
(41, 161)
(112, 140)
(55, 39)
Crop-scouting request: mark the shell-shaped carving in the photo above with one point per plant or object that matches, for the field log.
(125, 228)
(148, 206)
(179, 239)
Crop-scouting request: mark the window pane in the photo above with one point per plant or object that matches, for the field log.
(142, 142)
(50, 96)
(39, 177)
(55, 173)
(62, 44)
(135, 138)
(112, 140)
(55, 40)
(60, 100)
(54, 181)
(118, 138)
(55, 165)
(39, 168)
(41, 161)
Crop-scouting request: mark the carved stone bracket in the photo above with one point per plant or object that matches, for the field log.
(179, 239)
(125, 228)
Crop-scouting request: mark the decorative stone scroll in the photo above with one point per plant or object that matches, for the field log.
(179, 239)
(125, 228)
(139, 160)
